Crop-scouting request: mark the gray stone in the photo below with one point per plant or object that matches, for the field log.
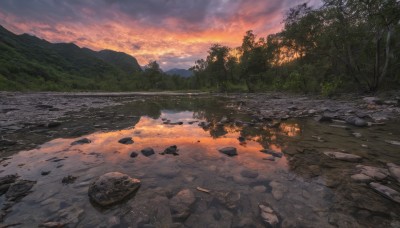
(19, 189)
(372, 100)
(374, 173)
(356, 121)
(386, 191)
(230, 151)
(396, 143)
(394, 171)
(278, 190)
(112, 188)
(343, 156)
(269, 216)
(181, 203)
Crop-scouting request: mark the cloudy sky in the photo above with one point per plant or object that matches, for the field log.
(173, 32)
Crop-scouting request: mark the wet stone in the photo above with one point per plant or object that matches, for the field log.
(19, 189)
(230, 151)
(127, 140)
(81, 141)
(374, 173)
(45, 173)
(134, 154)
(68, 179)
(147, 151)
(386, 191)
(278, 190)
(181, 204)
(356, 121)
(343, 156)
(396, 143)
(394, 171)
(112, 188)
(6, 181)
(269, 216)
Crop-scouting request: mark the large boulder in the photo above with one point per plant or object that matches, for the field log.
(112, 188)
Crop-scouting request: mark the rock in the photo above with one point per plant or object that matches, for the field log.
(272, 152)
(45, 173)
(361, 178)
(394, 171)
(112, 188)
(242, 139)
(269, 158)
(292, 108)
(323, 118)
(147, 151)
(357, 135)
(396, 143)
(343, 156)
(53, 124)
(356, 121)
(204, 124)
(229, 199)
(68, 179)
(269, 216)
(19, 189)
(171, 150)
(6, 181)
(278, 190)
(180, 205)
(260, 188)
(386, 191)
(230, 151)
(134, 154)
(249, 173)
(81, 141)
(373, 172)
(372, 100)
(127, 140)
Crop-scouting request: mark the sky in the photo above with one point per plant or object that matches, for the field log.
(175, 33)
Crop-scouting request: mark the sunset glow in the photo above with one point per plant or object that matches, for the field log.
(175, 33)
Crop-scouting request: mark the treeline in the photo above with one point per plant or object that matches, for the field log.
(344, 45)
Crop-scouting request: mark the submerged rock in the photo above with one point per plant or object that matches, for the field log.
(112, 188)
(249, 173)
(81, 141)
(269, 216)
(68, 179)
(147, 151)
(356, 121)
(181, 203)
(19, 189)
(343, 156)
(394, 171)
(386, 191)
(396, 143)
(6, 181)
(278, 190)
(230, 151)
(127, 140)
(272, 152)
(134, 154)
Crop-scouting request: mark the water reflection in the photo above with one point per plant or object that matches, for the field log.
(284, 183)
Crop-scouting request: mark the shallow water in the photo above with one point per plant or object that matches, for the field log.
(306, 188)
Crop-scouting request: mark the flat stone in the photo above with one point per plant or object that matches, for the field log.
(374, 173)
(361, 178)
(112, 188)
(81, 141)
(230, 151)
(394, 171)
(147, 151)
(260, 188)
(181, 203)
(386, 191)
(269, 216)
(127, 140)
(343, 156)
(278, 190)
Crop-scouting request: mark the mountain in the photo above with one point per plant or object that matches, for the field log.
(180, 72)
(30, 63)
